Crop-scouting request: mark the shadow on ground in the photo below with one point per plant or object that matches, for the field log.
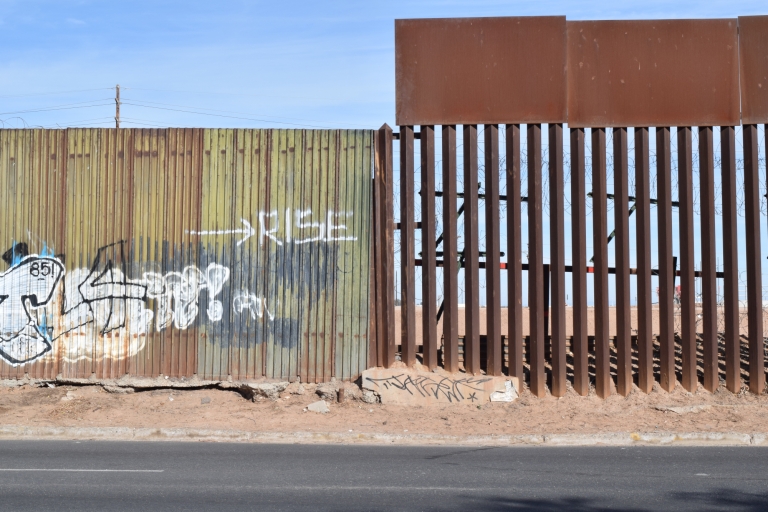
(720, 499)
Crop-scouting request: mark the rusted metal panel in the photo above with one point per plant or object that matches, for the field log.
(643, 231)
(754, 264)
(600, 244)
(180, 252)
(653, 73)
(557, 257)
(535, 263)
(480, 70)
(514, 253)
(579, 342)
(753, 66)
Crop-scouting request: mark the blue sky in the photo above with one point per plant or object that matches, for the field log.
(304, 63)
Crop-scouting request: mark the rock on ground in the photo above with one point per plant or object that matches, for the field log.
(327, 391)
(320, 406)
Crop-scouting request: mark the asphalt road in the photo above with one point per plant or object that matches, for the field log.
(82, 476)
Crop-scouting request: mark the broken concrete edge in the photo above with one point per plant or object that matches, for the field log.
(621, 439)
(128, 384)
(252, 390)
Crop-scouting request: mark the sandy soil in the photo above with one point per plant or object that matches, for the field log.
(92, 406)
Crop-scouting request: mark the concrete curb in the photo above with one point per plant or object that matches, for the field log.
(236, 436)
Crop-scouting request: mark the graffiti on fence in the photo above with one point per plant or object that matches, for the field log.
(28, 285)
(178, 294)
(97, 301)
(248, 303)
(104, 304)
(299, 227)
(104, 296)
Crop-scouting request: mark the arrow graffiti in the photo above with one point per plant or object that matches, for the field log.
(247, 230)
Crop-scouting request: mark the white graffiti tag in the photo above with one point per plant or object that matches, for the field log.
(178, 293)
(247, 303)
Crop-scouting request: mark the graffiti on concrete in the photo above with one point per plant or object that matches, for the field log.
(438, 387)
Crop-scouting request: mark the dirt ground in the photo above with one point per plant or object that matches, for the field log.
(92, 406)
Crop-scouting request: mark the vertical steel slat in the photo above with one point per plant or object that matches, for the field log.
(471, 253)
(450, 253)
(754, 268)
(495, 357)
(687, 271)
(600, 242)
(428, 267)
(644, 291)
(709, 257)
(514, 255)
(621, 220)
(730, 259)
(385, 248)
(666, 276)
(557, 257)
(579, 342)
(535, 263)
(407, 248)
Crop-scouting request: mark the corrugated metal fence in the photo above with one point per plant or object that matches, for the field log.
(241, 253)
(617, 87)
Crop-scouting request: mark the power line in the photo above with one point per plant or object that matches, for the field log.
(221, 115)
(60, 107)
(81, 121)
(145, 122)
(51, 93)
(227, 94)
(231, 111)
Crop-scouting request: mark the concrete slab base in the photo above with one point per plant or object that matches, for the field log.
(406, 386)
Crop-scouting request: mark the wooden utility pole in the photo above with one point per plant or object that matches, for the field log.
(117, 106)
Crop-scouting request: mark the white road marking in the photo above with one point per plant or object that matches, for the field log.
(88, 470)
